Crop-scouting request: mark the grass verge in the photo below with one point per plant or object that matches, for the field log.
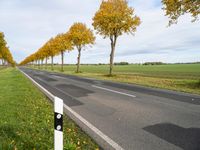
(27, 118)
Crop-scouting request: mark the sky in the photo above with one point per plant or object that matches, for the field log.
(28, 24)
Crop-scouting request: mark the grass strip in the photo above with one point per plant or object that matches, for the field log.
(27, 118)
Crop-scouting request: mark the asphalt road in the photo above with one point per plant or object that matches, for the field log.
(135, 117)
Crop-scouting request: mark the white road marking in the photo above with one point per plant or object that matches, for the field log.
(98, 87)
(108, 140)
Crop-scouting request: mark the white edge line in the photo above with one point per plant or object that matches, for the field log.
(112, 143)
(113, 91)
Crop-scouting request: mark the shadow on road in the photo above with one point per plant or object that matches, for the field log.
(185, 138)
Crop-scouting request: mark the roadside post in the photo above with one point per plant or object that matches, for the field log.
(58, 124)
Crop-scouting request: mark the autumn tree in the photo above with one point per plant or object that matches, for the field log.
(37, 58)
(8, 56)
(31, 58)
(175, 8)
(51, 50)
(42, 55)
(80, 36)
(114, 18)
(5, 53)
(2, 46)
(28, 59)
(45, 53)
(63, 43)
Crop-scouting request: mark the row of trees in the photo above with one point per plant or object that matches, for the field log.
(5, 54)
(113, 19)
(78, 36)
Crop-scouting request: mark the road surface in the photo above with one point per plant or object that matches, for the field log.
(135, 117)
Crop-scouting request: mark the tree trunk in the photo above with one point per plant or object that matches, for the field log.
(42, 63)
(46, 63)
(62, 57)
(78, 60)
(38, 64)
(3, 62)
(113, 43)
(52, 63)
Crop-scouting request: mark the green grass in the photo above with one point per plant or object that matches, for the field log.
(179, 77)
(2, 67)
(26, 118)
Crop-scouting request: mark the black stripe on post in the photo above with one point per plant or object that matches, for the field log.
(58, 121)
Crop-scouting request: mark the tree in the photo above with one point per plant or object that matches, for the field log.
(175, 8)
(2, 46)
(50, 48)
(45, 55)
(5, 53)
(114, 18)
(7, 56)
(62, 44)
(80, 36)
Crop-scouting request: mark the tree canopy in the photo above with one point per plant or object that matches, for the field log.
(114, 18)
(175, 8)
(80, 35)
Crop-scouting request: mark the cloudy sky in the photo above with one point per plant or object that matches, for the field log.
(28, 24)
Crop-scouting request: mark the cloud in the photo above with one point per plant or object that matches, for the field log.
(29, 24)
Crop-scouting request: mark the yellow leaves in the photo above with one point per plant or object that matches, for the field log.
(2, 41)
(51, 48)
(175, 8)
(62, 42)
(69, 130)
(115, 18)
(80, 35)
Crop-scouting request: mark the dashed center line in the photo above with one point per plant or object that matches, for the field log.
(106, 89)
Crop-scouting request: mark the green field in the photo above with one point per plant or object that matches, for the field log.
(26, 118)
(179, 77)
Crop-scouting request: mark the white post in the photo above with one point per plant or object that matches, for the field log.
(58, 124)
